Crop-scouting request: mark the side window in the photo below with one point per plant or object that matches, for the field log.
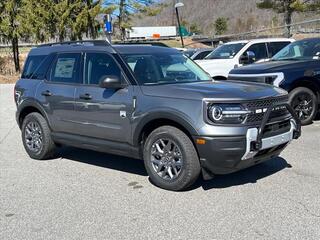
(275, 47)
(66, 68)
(202, 55)
(31, 65)
(42, 69)
(98, 66)
(259, 50)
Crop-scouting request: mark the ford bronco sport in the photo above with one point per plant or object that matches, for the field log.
(151, 103)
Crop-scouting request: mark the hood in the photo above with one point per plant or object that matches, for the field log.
(274, 66)
(223, 90)
(209, 63)
(217, 67)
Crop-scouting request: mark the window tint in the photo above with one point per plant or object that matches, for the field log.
(164, 68)
(98, 66)
(42, 69)
(274, 47)
(259, 50)
(31, 65)
(66, 68)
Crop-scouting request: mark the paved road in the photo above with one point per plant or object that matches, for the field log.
(88, 195)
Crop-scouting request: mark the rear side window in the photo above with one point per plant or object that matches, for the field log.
(66, 68)
(31, 65)
(275, 47)
(42, 69)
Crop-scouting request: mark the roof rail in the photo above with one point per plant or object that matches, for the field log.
(84, 42)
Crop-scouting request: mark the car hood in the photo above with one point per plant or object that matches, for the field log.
(218, 90)
(209, 62)
(274, 66)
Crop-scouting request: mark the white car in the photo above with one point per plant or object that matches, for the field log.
(238, 53)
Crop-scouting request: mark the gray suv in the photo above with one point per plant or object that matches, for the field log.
(150, 103)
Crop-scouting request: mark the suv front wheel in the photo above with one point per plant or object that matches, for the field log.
(36, 137)
(170, 159)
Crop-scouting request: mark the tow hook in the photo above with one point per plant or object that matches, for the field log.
(256, 146)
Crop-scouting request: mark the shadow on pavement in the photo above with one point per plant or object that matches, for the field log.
(130, 165)
(135, 166)
(249, 175)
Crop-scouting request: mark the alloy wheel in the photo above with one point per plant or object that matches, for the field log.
(166, 158)
(33, 136)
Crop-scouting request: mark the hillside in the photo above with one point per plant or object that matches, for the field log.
(243, 15)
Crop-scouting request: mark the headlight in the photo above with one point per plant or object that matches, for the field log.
(227, 113)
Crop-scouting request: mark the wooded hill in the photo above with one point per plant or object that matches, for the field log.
(242, 15)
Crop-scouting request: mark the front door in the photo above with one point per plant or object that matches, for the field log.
(103, 113)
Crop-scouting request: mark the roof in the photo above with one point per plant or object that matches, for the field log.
(143, 49)
(46, 49)
(261, 40)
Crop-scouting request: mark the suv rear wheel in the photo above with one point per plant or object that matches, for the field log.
(304, 102)
(36, 137)
(170, 159)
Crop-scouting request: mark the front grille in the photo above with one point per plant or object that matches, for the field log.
(262, 106)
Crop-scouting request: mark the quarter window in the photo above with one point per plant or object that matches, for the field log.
(31, 65)
(66, 68)
(98, 66)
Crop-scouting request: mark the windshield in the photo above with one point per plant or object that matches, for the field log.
(164, 68)
(300, 50)
(226, 51)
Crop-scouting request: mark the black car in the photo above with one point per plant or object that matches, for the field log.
(296, 68)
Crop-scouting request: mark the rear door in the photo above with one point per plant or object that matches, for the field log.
(103, 113)
(57, 92)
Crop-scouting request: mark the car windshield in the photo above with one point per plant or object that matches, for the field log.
(300, 50)
(226, 51)
(164, 68)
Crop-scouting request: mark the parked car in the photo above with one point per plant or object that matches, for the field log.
(198, 53)
(296, 68)
(235, 54)
(151, 103)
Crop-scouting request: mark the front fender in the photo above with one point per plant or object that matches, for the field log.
(178, 117)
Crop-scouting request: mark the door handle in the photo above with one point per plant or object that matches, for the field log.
(85, 96)
(46, 93)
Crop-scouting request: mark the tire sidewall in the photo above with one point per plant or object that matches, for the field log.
(301, 90)
(34, 117)
(182, 180)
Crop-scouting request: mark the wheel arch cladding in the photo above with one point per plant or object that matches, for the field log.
(149, 123)
(27, 108)
(307, 82)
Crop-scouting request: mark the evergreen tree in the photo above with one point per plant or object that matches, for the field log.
(288, 7)
(221, 25)
(124, 9)
(11, 28)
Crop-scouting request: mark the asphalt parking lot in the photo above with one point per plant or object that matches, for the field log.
(87, 195)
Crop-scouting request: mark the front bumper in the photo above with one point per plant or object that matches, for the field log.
(222, 155)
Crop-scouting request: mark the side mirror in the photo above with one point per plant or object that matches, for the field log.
(112, 82)
(248, 58)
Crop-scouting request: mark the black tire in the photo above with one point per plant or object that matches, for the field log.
(296, 99)
(47, 145)
(190, 165)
